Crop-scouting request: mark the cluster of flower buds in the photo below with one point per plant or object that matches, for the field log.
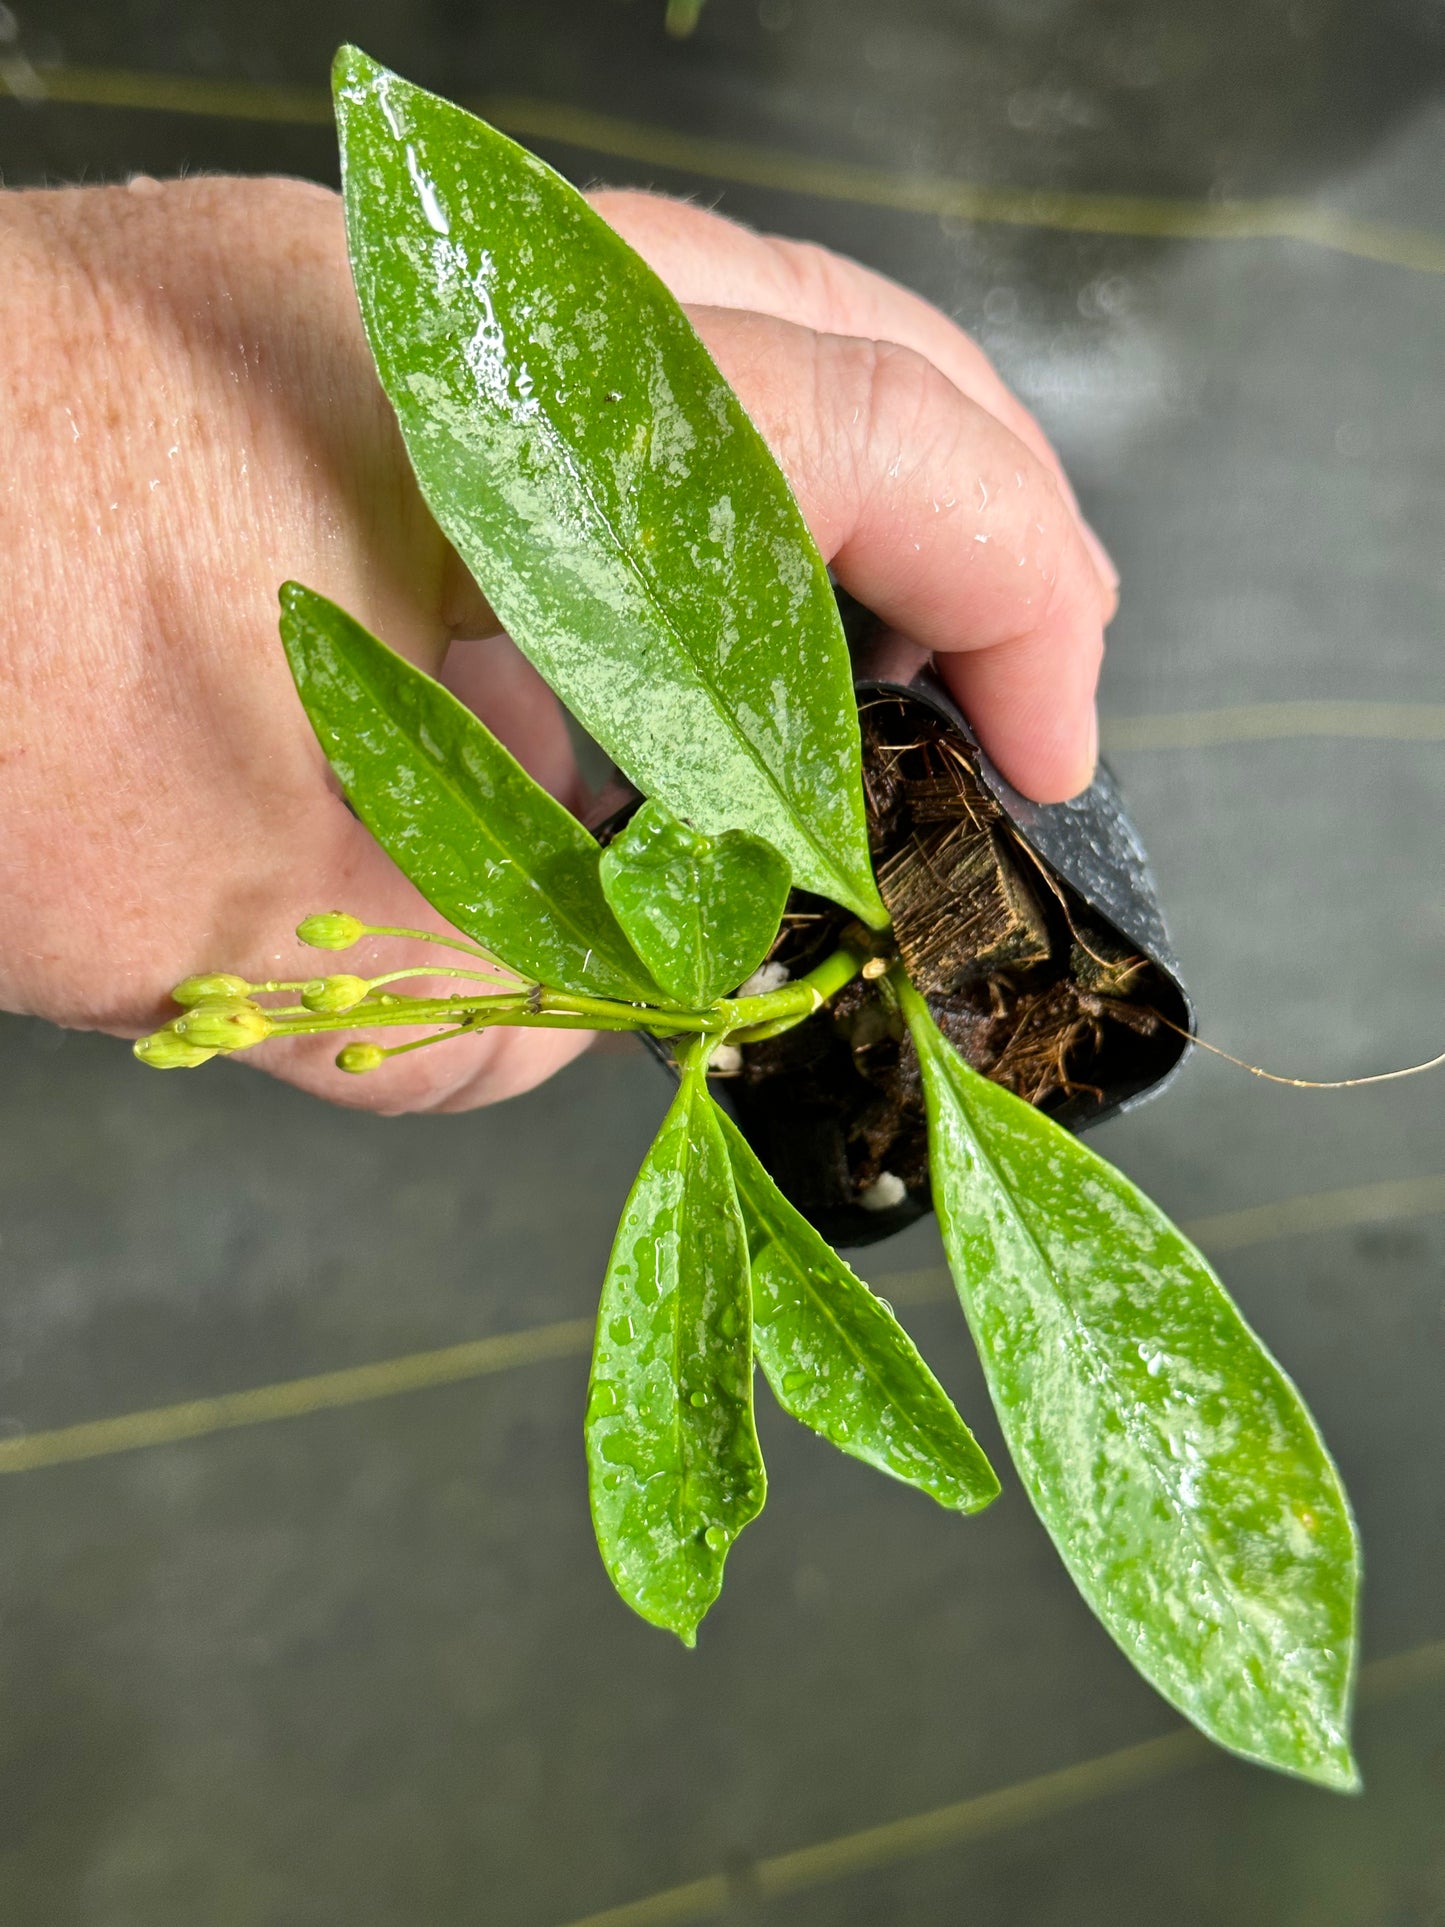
(219, 1012)
(207, 1025)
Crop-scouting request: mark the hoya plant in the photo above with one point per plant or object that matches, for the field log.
(638, 542)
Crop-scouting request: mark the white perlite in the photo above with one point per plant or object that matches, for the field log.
(886, 1191)
(768, 976)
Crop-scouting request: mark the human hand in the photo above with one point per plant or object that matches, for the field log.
(191, 418)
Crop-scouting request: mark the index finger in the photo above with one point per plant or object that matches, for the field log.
(711, 261)
(943, 522)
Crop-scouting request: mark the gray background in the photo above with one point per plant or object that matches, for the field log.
(364, 1667)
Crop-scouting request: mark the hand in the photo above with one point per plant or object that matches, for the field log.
(190, 417)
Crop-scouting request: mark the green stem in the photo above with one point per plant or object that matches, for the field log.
(747, 1017)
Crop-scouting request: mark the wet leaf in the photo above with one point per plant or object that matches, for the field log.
(1173, 1463)
(674, 1467)
(701, 911)
(839, 1361)
(485, 845)
(601, 481)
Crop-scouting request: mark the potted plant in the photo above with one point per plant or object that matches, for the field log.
(638, 542)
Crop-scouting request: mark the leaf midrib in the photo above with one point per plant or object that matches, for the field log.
(442, 777)
(1246, 1626)
(777, 1239)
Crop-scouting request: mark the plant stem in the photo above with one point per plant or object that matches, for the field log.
(539, 1008)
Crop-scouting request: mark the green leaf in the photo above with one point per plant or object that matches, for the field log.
(672, 1454)
(839, 1361)
(1173, 1463)
(700, 911)
(601, 481)
(485, 845)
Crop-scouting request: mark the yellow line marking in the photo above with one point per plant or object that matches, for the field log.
(1384, 1203)
(1151, 217)
(174, 94)
(1278, 722)
(1000, 1811)
(1387, 1202)
(297, 1397)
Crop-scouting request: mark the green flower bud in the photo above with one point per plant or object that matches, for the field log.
(206, 988)
(360, 1057)
(164, 1051)
(330, 930)
(332, 994)
(228, 1023)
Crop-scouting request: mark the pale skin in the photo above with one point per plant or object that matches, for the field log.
(189, 417)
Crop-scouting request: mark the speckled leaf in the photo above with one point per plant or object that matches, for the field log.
(601, 481)
(674, 1467)
(1171, 1460)
(485, 845)
(838, 1359)
(700, 911)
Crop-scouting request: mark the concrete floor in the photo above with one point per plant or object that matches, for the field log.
(364, 1667)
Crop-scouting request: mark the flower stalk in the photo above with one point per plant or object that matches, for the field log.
(221, 1013)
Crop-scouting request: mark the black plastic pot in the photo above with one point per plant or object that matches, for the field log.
(815, 1105)
(802, 1124)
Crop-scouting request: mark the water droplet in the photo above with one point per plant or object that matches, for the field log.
(729, 1321)
(698, 1399)
(795, 1382)
(716, 1538)
(622, 1331)
(603, 1400)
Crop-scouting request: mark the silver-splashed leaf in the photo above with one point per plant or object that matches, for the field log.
(839, 1361)
(1173, 1463)
(601, 480)
(674, 1467)
(485, 845)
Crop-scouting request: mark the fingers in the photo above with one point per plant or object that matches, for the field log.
(944, 522)
(712, 262)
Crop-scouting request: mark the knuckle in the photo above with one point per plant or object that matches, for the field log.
(908, 409)
(818, 283)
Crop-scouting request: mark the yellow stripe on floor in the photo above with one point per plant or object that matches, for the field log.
(296, 1397)
(1385, 1203)
(1142, 216)
(1003, 1810)
(1277, 723)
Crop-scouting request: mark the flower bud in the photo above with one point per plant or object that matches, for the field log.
(164, 1051)
(229, 1023)
(333, 994)
(360, 1057)
(206, 988)
(330, 930)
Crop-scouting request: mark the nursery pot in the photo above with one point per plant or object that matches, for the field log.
(1034, 930)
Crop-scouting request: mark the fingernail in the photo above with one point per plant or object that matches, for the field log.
(1103, 561)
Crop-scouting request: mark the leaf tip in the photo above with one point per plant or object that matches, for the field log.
(1337, 1770)
(350, 67)
(983, 1488)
